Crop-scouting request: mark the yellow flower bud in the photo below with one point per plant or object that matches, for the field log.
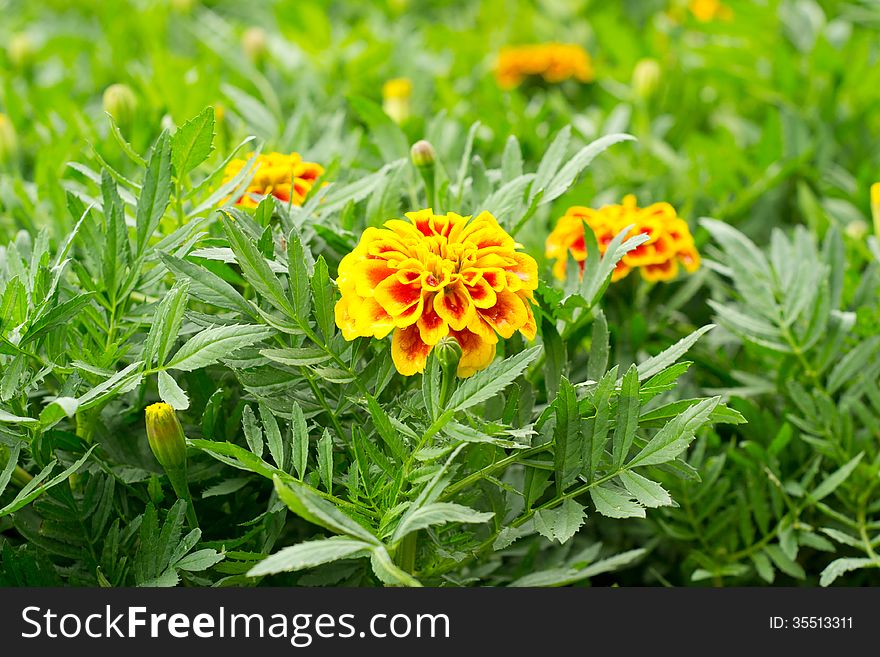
(120, 103)
(254, 43)
(21, 50)
(646, 77)
(422, 153)
(396, 96)
(165, 435)
(857, 229)
(8, 140)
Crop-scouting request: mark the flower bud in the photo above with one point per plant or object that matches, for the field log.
(857, 229)
(646, 77)
(448, 355)
(182, 6)
(254, 43)
(165, 435)
(120, 103)
(422, 154)
(396, 95)
(21, 50)
(8, 140)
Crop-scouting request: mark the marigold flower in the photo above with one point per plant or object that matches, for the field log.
(554, 62)
(435, 276)
(669, 243)
(286, 177)
(710, 10)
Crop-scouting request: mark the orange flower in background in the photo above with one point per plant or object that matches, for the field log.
(710, 10)
(669, 243)
(286, 177)
(435, 276)
(554, 62)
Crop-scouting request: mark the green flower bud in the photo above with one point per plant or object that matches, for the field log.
(254, 43)
(8, 140)
(422, 154)
(646, 77)
(166, 436)
(183, 6)
(120, 103)
(448, 354)
(857, 229)
(21, 50)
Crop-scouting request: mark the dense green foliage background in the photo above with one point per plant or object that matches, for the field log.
(761, 132)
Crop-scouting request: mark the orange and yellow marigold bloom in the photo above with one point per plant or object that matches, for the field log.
(554, 62)
(669, 245)
(432, 276)
(286, 177)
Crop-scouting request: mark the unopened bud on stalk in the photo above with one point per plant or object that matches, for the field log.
(254, 43)
(396, 95)
(646, 77)
(422, 154)
(448, 354)
(875, 207)
(166, 436)
(21, 50)
(8, 140)
(120, 103)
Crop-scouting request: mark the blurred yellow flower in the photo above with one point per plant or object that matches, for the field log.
(710, 10)
(554, 62)
(286, 177)
(435, 276)
(875, 207)
(669, 244)
(396, 95)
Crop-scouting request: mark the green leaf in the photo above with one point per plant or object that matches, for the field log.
(300, 436)
(35, 487)
(166, 324)
(569, 576)
(9, 418)
(155, 193)
(676, 435)
(647, 493)
(323, 293)
(549, 165)
(386, 430)
(255, 268)
(9, 467)
(466, 158)
(199, 560)
(273, 435)
(193, 142)
(212, 344)
(437, 513)
(840, 567)
(511, 160)
(848, 367)
(598, 271)
(297, 356)
(487, 383)
(784, 563)
(207, 286)
(58, 409)
(835, 479)
(307, 504)
(63, 313)
(599, 348)
(253, 434)
(568, 450)
(763, 567)
(298, 260)
(561, 523)
(667, 357)
(171, 393)
(325, 460)
(612, 503)
(566, 176)
(387, 571)
(596, 428)
(311, 554)
(627, 417)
